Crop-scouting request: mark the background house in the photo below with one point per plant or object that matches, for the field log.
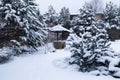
(99, 15)
(113, 33)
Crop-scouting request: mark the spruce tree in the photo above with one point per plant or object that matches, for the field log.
(89, 42)
(111, 15)
(51, 17)
(24, 17)
(64, 18)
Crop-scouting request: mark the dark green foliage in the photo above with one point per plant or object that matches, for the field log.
(27, 24)
(111, 15)
(51, 17)
(90, 42)
(64, 18)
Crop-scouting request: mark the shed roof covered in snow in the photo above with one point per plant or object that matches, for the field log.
(59, 28)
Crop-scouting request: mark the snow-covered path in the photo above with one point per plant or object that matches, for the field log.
(44, 67)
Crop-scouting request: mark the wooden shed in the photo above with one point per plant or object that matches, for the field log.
(59, 41)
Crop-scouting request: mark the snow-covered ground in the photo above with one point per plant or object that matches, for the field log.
(49, 66)
(116, 46)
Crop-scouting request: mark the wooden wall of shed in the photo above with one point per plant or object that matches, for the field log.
(53, 36)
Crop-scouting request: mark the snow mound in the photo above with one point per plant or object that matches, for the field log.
(60, 63)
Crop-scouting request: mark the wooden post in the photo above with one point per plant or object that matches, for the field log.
(62, 35)
(57, 36)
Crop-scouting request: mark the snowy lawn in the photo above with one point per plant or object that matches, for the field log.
(116, 46)
(49, 66)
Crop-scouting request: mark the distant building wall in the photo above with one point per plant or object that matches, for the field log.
(73, 16)
(99, 16)
(113, 33)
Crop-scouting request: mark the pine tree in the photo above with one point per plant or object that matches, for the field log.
(23, 17)
(64, 18)
(110, 14)
(51, 17)
(90, 41)
(95, 5)
(118, 17)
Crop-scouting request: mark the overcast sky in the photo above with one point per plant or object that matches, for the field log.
(73, 5)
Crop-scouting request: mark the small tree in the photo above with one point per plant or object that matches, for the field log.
(95, 5)
(90, 41)
(51, 17)
(118, 15)
(64, 17)
(111, 15)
